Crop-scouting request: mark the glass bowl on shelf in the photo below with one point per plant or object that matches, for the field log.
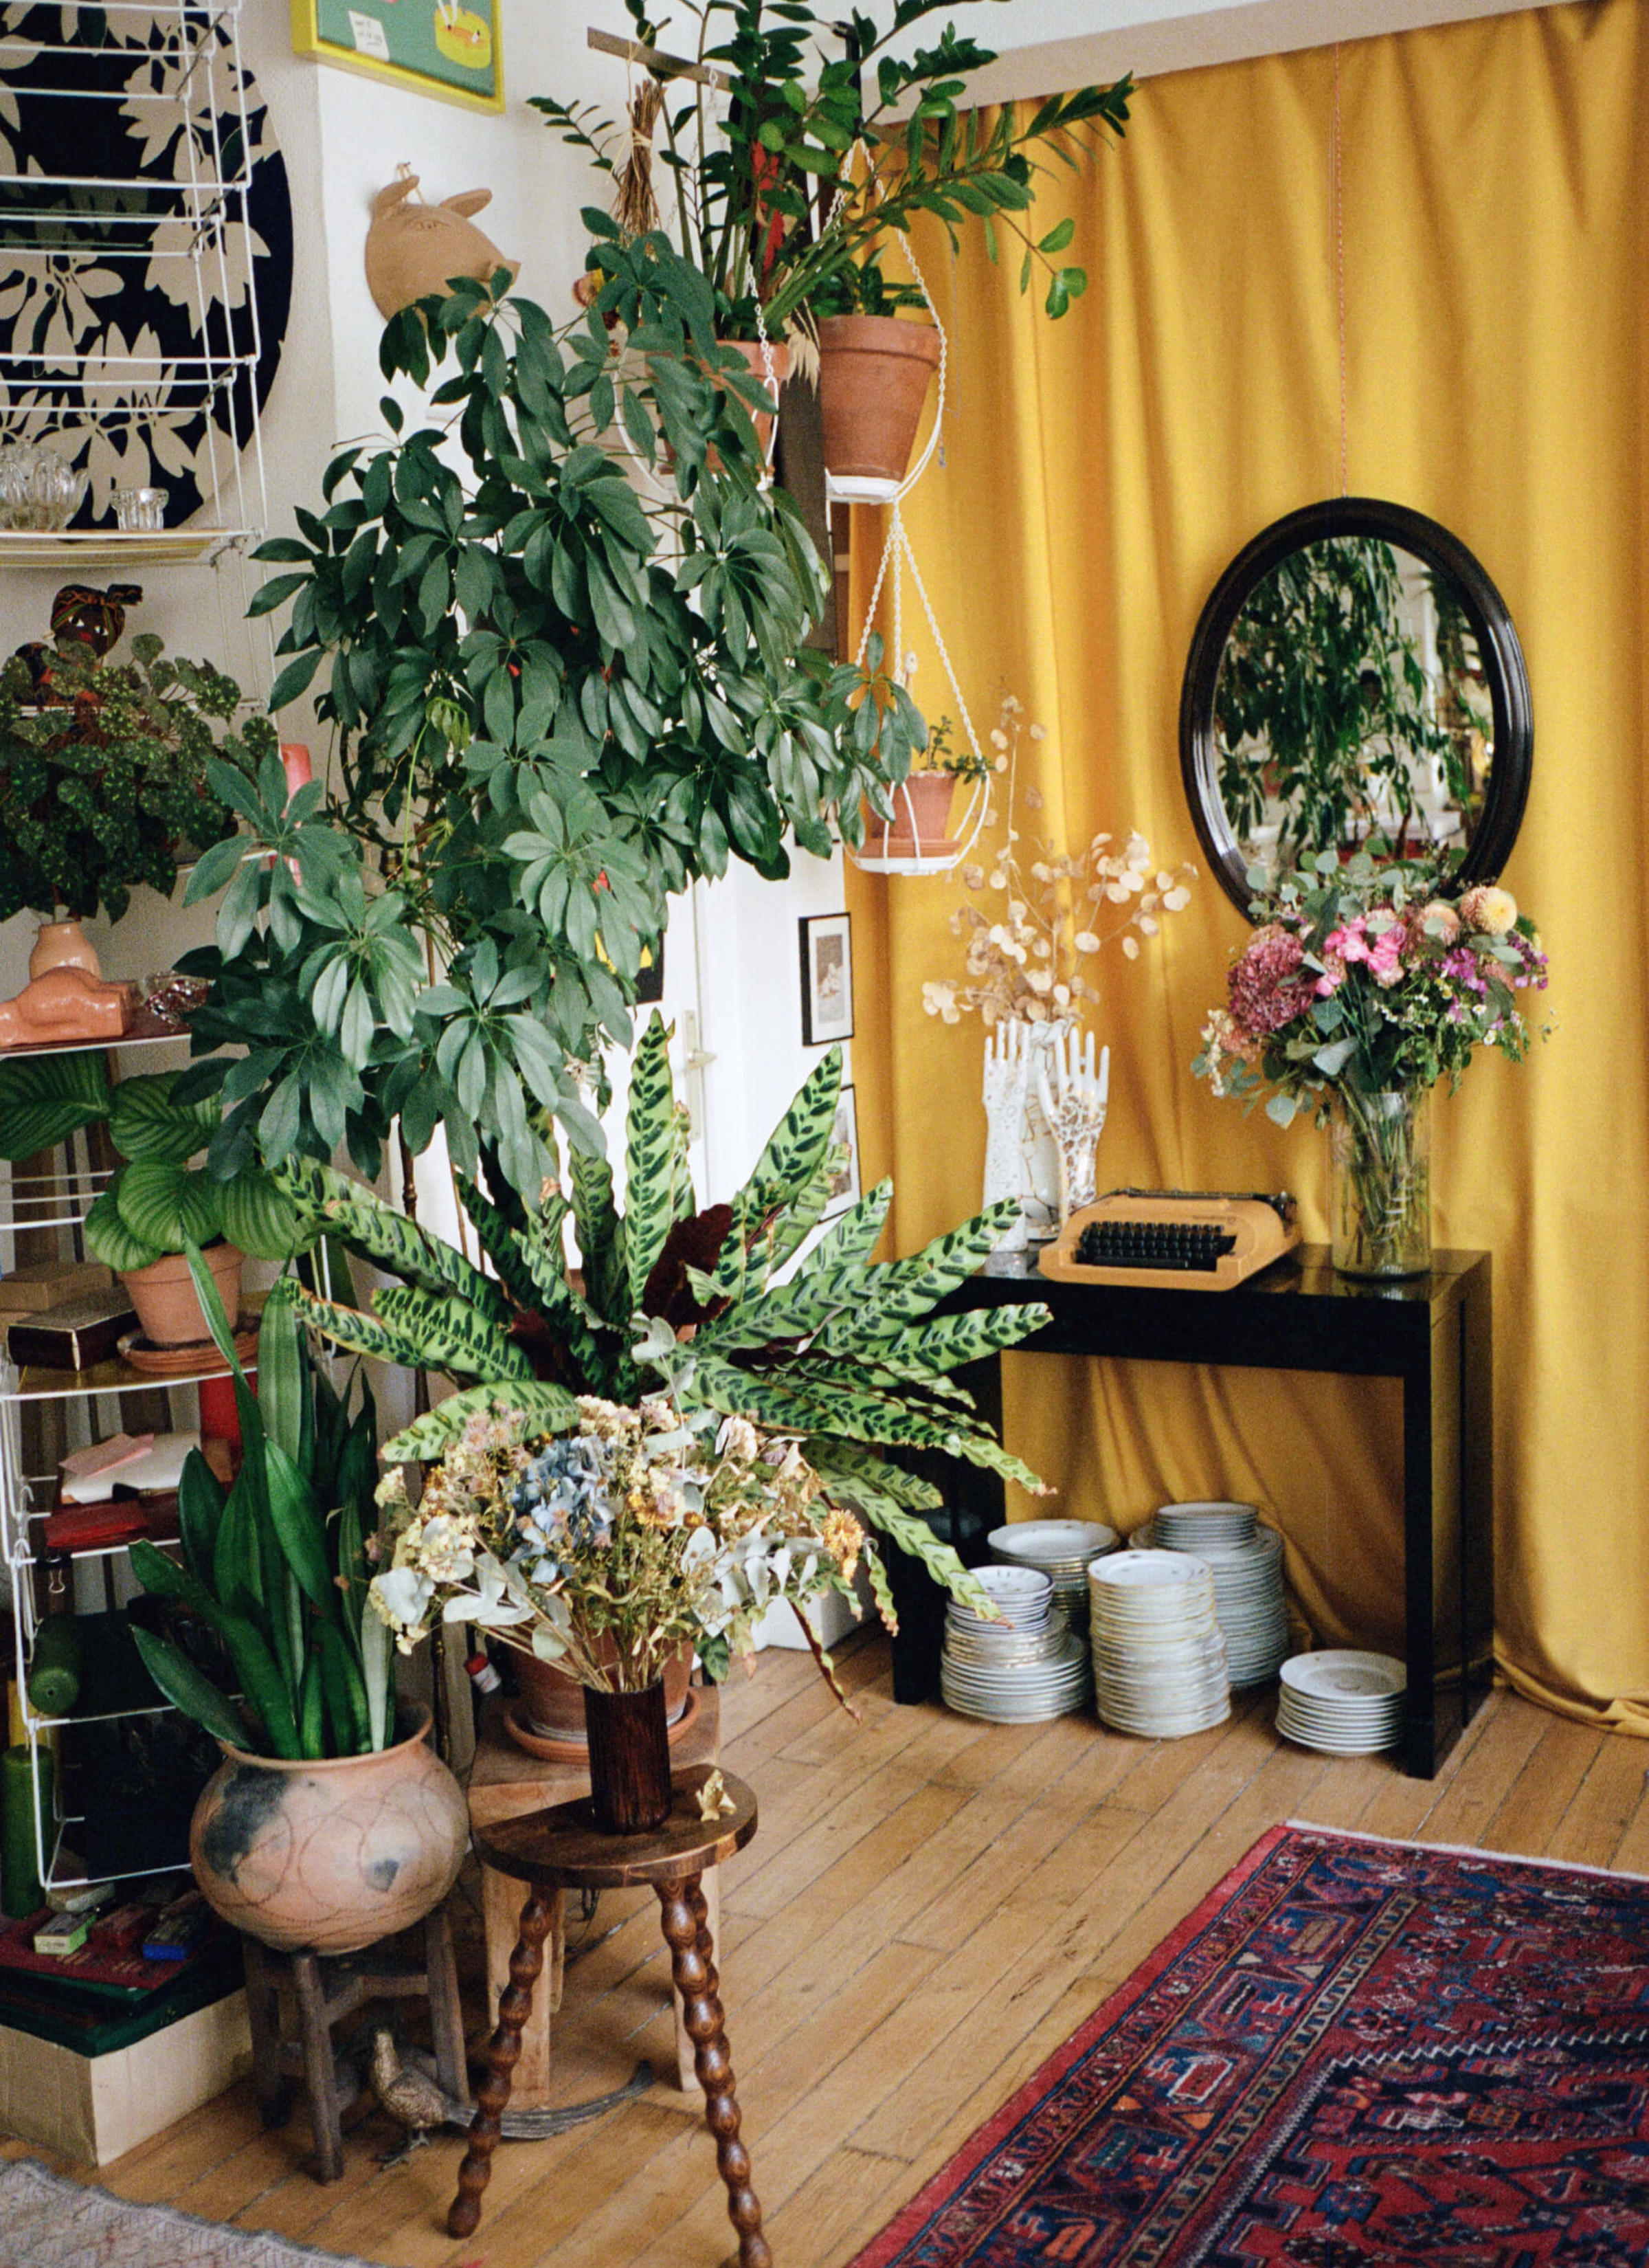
(140, 511)
(39, 491)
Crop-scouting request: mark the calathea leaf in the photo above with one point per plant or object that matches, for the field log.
(549, 1408)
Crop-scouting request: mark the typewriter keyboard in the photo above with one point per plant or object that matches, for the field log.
(1187, 1246)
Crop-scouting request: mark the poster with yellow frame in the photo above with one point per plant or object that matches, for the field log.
(451, 48)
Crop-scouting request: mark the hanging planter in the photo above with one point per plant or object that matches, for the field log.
(874, 372)
(921, 821)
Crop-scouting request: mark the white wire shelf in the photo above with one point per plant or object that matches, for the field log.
(120, 547)
(112, 1377)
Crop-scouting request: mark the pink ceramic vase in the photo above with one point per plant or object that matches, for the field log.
(330, 1856)
(63, 945)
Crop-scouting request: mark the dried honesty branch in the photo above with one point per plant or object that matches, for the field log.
(1030, 958)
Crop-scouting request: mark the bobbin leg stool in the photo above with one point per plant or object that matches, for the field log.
(562, 1849)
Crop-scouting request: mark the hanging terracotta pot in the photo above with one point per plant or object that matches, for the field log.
(630, 1759)
(329, 1855)
(874, 372)
(921, 820)
(164, 1294)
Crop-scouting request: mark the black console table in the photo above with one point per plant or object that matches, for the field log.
(1432, 1334)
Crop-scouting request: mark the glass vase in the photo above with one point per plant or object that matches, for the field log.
(1380, 1182)
(630, 1759)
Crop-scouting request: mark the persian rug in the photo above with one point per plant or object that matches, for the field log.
(1352, 2051)
(46, 2222)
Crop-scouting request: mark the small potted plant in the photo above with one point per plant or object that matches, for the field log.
(103, 780)
(920, 826)
(157, 1204)
(327, 1826)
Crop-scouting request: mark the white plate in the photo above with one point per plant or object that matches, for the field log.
(1343, 1673)
(1041, 1541)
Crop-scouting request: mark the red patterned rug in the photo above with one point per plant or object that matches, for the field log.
(1352, 2051)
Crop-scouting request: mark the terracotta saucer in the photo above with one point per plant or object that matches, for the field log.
(578, 1752)
(199, 1359)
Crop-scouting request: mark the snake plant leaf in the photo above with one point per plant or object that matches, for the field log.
(281, 1376)
(787, 1167)
(146, 1125)
(377, 1657)
(376, 1232)
(261, 1217)
(345, 1692)
(549, 1408)
(187, 1688)
(237, 1571)
(649, 1158)
(356, 1332)
(848, 1480)
(44, 1099)
(830, 1279)
(930, 1350)
(255, 1665)
(200, 1509)
(600, 1234)
(532, 1273)
(450, 1336)
(909, 1289)
(110, 1240)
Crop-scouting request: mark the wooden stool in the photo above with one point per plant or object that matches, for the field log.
(323, 1992)
(505, 1783)
(562, 1850)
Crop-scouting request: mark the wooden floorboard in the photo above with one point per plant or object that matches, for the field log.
(930, 1909)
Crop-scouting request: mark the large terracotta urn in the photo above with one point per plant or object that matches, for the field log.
(330, 1856)
(163, 1295)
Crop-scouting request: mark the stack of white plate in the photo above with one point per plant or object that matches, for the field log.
(1062, 1549)
(1343, 1702)
(1158, 1656)
(1019, 1671)
(1246, 1561)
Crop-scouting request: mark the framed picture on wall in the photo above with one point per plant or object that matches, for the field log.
(845, 1137)
(450, 49)
(827, 979)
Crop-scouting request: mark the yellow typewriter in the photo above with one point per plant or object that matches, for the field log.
(1175, 1240)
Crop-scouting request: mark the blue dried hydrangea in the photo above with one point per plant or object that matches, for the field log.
(561, 1502)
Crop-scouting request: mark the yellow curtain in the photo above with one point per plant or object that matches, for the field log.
(1098, 474)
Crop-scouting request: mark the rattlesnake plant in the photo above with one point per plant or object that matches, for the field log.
(843, 1352)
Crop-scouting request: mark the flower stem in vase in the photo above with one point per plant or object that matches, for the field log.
(1380, 1181)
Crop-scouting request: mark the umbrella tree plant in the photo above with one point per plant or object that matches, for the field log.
(848, 1356)
(558, 701)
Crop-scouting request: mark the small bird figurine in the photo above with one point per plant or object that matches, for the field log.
(411, 2098)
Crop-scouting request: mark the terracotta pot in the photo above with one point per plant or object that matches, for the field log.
(630, 1759)
(330, 1856)
(756, 357)
(874, 372)
(922, 818)
(63, 945)
(164, 1297)
(553, 1703)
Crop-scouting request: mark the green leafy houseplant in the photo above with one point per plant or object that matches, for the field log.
(845, 1357)
(276, 1565)
(558, 703)
(788, 179)
(103, 778)
(156, 1203)
(1321, 702)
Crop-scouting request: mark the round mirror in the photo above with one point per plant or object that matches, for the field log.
(1355, 682)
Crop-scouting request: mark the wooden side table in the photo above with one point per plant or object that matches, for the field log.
(562, 1849)
(505, 1783)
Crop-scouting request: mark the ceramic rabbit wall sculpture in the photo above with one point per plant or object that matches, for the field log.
(414, 248)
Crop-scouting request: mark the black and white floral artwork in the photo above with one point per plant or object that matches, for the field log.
(145, 250)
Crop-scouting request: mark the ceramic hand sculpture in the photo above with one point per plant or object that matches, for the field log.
(1074, 1104)
(1007, 1082)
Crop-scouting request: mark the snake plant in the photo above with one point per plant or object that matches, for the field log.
(846, 1354)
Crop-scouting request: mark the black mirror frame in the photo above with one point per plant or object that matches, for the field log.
(1504, 667)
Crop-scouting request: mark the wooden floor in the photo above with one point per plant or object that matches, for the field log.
(930, 1909)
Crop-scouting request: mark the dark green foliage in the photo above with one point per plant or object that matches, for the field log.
(277, 1564)
(559, 702)
(755, 173)
(100, 789)
(846, 1355)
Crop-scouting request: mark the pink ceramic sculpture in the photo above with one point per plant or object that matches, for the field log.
(65, 1003)
(330, 1856)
